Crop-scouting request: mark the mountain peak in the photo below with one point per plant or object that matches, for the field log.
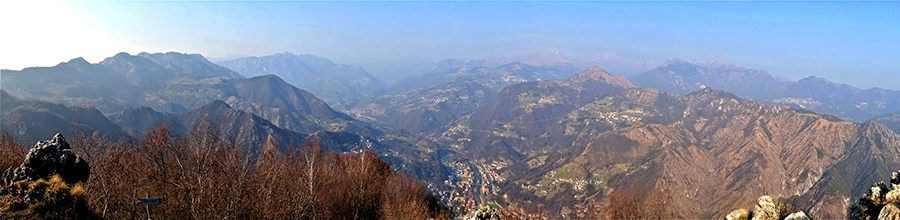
(450, 61)
(122, 54)
(607, 57)
(598, 69)
(190, 65)
(271, 79)
(285, 53)
(124, 57)
(814, 79)
(318, 63)
(78, 61)
(217, 104)
(78, 64)
(172, 55)
(597, 74)
(719, 64)
(282, 55)
(675, 61)
(709, 92)
(550, 57)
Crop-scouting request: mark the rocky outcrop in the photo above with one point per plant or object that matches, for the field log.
(483, 213)
(738, 214)
(895, 180)
(797, 216)
(765, 209)
(47, 184)
(882, 201)
(890, 212)
(47, 158)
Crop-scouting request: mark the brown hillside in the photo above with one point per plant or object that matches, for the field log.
(566, 144)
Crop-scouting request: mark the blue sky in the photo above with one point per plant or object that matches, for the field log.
(857, 43)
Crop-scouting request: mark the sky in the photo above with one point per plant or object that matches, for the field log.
(856, 43)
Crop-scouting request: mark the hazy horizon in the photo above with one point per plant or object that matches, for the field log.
(855, 43)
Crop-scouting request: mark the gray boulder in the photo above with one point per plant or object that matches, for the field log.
(47, 158)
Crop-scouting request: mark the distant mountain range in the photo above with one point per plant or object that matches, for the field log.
(812, 93)
(543, 58)
(117, 82)
(342, 86)
(617, 64)
(186, 91)
(189, 65)
(31, 120)
(608, 61)
(536, 130)
(494, 77)
(243, 128)
(448, 90)
(425, 109)
(892, 121)
(174, 82)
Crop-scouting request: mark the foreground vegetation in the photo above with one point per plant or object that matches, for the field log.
(205, 176)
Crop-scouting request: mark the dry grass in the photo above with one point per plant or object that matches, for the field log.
(45, 199)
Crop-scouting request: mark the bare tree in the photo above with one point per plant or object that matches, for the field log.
(11, 152)
(634, 202)
(204, 176)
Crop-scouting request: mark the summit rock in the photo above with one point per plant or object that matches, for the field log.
(47, 158)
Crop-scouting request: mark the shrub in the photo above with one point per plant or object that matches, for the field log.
(633, 202)
(203, 175)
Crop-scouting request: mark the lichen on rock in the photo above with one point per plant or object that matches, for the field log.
(47, 184)
(765, 209)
